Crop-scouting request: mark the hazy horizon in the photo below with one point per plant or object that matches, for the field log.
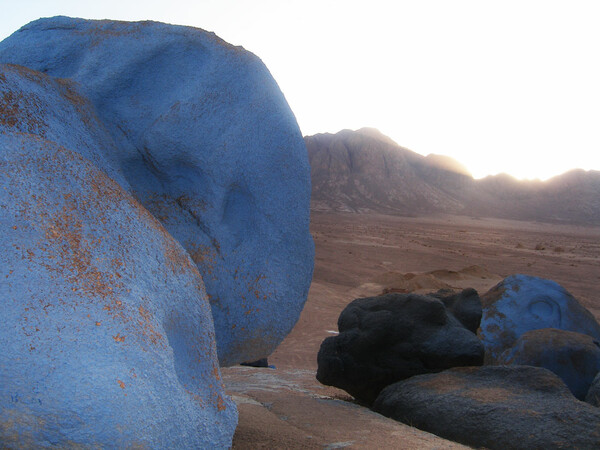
(458, 161)
(506, 87)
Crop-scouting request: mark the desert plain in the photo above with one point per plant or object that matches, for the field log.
(360, 255)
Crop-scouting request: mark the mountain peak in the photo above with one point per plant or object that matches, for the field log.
(364, 170)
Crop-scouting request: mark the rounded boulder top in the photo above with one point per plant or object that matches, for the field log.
(521, 303)
(208, 144)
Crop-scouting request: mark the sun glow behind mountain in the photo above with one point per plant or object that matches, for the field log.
(506, 86)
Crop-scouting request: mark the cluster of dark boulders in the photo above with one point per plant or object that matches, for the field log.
(389, 338)
(420, 359)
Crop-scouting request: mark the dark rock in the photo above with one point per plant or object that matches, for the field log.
(496, 407)
(465, 306)
(593, 395)
(574, 357)
(392, 337)
(263, 362)
(521, 303)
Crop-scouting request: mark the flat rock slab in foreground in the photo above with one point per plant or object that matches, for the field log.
(287, 408)
(208, 144)
(494, 407)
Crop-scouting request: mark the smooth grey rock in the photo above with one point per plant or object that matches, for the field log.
(574, 357)
(496, 407)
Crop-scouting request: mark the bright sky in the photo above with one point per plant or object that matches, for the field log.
(502, 86)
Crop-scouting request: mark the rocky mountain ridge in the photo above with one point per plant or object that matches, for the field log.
(366, 171)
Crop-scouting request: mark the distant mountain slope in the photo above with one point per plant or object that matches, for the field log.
(366, 171)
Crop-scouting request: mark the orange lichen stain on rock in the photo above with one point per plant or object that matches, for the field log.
(104, 29)
(444, 383)
(147, 331)
(22, 110)
(144, 313)
(119, 338)
(491, 395)
(254, 287)
(176, 257)
(195, 397)
(221, 403)
(30, 74)
(205, 256)
(72, 253)
(160, 206)
(216, 372)
(69, 91)
(17, 110)
(492, 296)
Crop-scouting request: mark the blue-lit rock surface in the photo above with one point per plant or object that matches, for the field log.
(574, 357)
(208, 144)
(106, 334)
(521, 303)
(136, 159)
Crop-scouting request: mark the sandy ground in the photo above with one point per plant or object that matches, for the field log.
(361, 255)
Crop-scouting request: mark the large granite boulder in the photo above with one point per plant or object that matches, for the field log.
(521, 303)
(495, 407)
(106, 331)
(55, 110)
(392, 337)
(574, 357)
(208, 144)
